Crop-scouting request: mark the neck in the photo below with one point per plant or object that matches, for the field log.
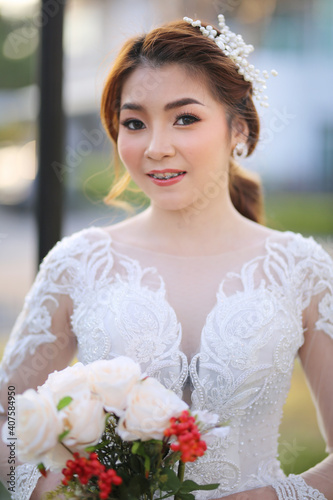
(207, 227)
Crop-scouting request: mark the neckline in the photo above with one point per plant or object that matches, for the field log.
(262, 244)
(191, 360)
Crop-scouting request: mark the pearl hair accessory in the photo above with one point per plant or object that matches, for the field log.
(234, 47)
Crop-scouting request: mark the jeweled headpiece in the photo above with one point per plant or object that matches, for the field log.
(233, 46)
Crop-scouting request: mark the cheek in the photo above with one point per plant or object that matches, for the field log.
(213, 144)
(129, 152)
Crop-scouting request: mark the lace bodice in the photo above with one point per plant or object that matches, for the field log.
(223, 330)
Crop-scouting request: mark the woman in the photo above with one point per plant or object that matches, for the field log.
(194, 288)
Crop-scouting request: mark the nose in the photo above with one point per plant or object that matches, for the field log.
(159, 146)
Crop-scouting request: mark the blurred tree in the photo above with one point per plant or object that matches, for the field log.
(18, 57)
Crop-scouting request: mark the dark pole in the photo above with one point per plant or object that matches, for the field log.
(51, 126)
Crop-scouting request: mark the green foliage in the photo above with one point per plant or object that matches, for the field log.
(16, 73)
(306, 213)
(63, 435)
(144, 466)
(301, 445)
(41, 468)
(188, 486)
(64, 402)
(170, 481)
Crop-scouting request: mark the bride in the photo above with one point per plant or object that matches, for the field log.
(194, 288)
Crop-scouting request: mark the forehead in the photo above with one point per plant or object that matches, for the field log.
(147, 84)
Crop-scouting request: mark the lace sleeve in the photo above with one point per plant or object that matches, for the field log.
(26, 480)
(40, 342)
(314, 279)
(317, 290)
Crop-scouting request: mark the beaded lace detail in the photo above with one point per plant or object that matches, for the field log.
(247, 347)
(295, 488)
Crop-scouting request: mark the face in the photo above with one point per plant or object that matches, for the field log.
(173, 137)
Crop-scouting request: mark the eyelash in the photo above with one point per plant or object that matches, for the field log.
(126, 123)
(195, 118)
(188, 115)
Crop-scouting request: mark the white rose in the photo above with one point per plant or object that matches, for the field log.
(112, 380)
(38, 426)
(56, 458)
(84, 417)
(72, 381)
(150, 407)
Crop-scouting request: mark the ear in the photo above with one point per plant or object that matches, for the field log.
(239, 131)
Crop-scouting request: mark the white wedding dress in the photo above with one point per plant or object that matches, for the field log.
(223, 329)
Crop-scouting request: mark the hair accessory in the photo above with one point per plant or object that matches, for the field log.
(240, 150)
(234, 47)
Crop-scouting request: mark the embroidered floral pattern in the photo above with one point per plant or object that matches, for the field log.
(248, 343)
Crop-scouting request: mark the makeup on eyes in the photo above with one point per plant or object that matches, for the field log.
(188, 115)
(185, 115)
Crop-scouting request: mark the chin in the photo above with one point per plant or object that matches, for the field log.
(171, 204)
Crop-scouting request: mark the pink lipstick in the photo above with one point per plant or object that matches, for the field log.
(166, 177)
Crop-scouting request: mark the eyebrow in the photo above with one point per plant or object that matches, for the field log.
(171, 105)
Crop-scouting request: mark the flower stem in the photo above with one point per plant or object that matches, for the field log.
(66, 447)
(181, 472)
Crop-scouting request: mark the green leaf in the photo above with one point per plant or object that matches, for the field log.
(99, 446)
(172, 458)
(163, 478)
(64, 402)
(147, 464)
(41, 468)
(171, 482)
(189, 485)
(90, 449)
(185, 496)
(63, 434)
(207, 487)
(138, 485)
(136, 448)
(135, 464)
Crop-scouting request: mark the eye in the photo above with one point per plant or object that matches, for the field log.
(133, 124)
(186, 119)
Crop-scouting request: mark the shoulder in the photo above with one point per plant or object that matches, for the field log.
(307, 264)
(75, 247)
(300, 248)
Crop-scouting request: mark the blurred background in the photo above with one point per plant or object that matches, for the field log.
(294, 156)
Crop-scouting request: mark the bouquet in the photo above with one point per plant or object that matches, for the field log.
(114, 433)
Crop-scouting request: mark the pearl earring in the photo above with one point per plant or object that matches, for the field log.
(240, 150)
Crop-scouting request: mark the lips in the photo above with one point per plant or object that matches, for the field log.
(166, 177)
(166, 174)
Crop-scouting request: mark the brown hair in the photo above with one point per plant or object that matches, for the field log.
(180, 43)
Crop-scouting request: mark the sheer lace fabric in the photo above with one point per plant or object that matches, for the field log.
(27, 476)
(295, 488)
(223, 330)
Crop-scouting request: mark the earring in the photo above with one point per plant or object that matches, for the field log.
(240, 150)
